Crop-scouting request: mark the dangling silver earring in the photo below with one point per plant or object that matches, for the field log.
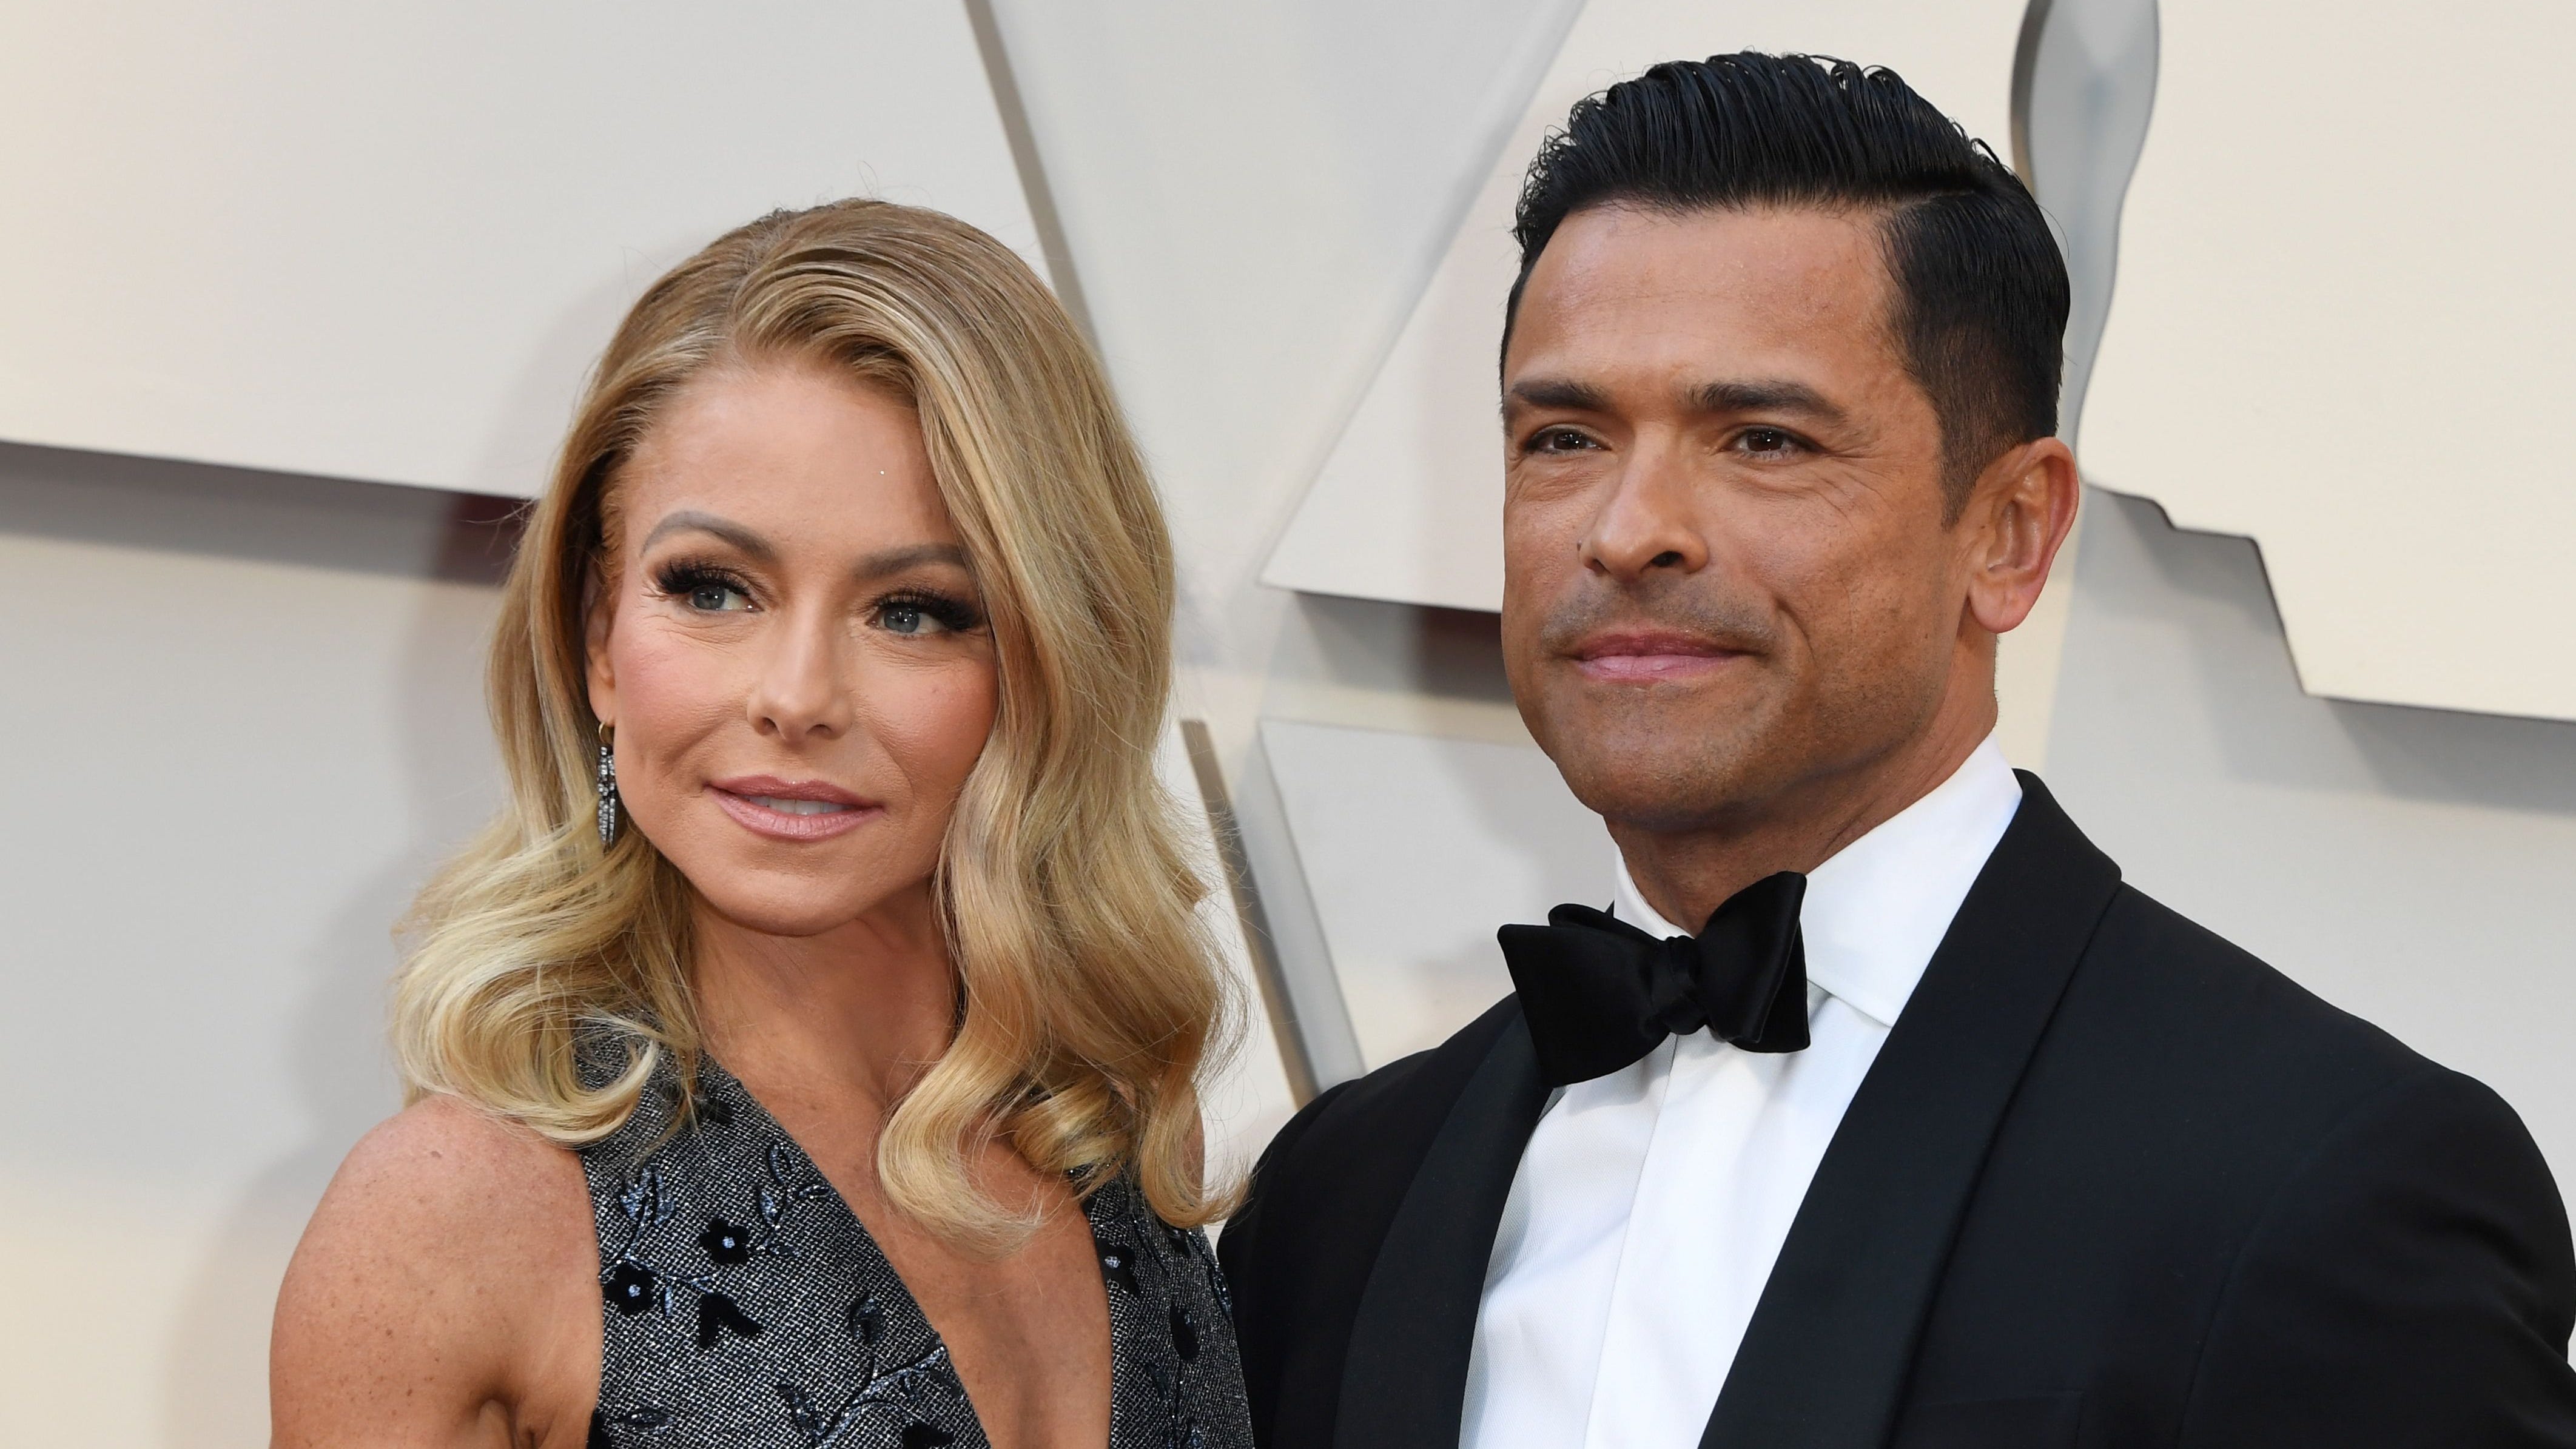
(607, 786)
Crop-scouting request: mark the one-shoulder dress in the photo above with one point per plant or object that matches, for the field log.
(746, 1306)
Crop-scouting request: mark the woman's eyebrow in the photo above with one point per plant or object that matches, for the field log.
(895, 560)
(871, 566)
(724, 528)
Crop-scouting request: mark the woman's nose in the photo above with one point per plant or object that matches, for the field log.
(803, 685)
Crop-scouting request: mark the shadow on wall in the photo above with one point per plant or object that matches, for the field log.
(171, 506)
(1369, 644)
(1416, 842)
(340, 1063)
(458, 547)
(440, 555)
(2408, 865)
(2264, 726)
(216, 1362)
(2497, 761)
(1416, 847)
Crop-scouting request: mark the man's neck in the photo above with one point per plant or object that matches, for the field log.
(1687, 874)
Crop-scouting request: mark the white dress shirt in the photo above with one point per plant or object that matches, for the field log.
(1647, 1211)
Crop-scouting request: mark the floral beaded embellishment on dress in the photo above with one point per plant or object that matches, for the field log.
(744, 1303)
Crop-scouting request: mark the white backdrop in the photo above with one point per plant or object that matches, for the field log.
(2343, 329)
(246, 712)
(385, 241)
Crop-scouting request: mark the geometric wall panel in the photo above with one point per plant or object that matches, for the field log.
(1415, 849)
(2343, 327)
(1408, 507)
(384, 240)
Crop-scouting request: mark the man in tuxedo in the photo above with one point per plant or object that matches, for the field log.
(1935, 1134)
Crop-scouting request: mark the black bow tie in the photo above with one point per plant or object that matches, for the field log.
(1599, 993)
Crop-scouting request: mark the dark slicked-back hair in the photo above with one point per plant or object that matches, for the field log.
(1980, 292)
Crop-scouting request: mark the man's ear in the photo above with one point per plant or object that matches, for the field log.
(598, 614)
(2017, 516)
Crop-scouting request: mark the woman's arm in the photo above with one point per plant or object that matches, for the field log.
(445, 1295)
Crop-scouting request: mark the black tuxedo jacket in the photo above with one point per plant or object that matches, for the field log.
(2110, 1182)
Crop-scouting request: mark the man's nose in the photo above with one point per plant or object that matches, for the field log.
(1649, 520)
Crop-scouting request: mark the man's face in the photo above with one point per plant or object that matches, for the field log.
(1728, 574)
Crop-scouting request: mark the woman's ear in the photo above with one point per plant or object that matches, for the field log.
(598, 617)
(2018, 517)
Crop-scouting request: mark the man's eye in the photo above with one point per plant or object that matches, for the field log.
(1767, 440)
(1559, 440)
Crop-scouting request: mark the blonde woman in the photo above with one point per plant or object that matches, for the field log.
(807, 1055)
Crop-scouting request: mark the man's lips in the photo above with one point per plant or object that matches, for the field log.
(791, 809)
(1647, 658)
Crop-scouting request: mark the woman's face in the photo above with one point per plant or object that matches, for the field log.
(792, 651)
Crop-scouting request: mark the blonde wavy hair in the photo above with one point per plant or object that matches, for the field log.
(1089, 1001)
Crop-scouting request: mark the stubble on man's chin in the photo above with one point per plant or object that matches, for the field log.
(1670, 769)
(1663, 758)
(1725, 761)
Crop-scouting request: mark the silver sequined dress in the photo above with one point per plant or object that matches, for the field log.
(746, 1306)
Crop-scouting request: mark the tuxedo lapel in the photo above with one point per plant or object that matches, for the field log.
(1825, 1357)
(1404, 1382)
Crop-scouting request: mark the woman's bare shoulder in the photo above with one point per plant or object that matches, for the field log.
(443, 1156)
(445, 1193)
(451, 1269)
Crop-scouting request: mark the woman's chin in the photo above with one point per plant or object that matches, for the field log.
(775, 915)
(795, 908)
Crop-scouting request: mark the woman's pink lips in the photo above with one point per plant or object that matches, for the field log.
(735, 798)
(1650, 658)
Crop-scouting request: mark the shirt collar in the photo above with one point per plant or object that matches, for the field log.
(1878, 909)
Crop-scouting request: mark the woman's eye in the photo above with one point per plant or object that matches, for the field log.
(715, 598)
(924, 616)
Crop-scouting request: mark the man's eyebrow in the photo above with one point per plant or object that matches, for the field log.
(895, 560)
(1765, 396)
(1558, 392)
(724, 528)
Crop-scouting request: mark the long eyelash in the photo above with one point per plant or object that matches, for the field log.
(680, 576)
(951, 612)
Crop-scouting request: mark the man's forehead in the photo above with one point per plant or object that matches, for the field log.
(1767, 273)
